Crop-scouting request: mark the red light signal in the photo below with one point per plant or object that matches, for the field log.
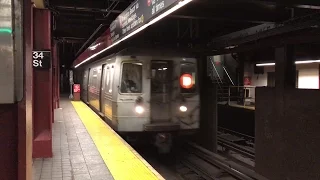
(186, 81)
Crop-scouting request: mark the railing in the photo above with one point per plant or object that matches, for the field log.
(213, 70)
(242, 96)
(229, 77)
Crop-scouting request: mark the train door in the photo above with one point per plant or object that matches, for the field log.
(84, 87)
(107, 91)
(88, 86)
(97, 85)
(103, 89)
(161, 91)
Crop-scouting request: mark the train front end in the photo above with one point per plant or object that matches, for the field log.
(166, 97)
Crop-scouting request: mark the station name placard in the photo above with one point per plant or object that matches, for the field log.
(41, 59)
(137, 14)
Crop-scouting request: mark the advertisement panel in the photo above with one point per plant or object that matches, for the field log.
(76, 88)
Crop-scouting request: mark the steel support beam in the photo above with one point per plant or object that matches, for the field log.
(219, 19)
(305, 4)
(293, 2)
(270, 42)
(85, 9)
(285, 67)
(266, 30)
(208, 108)
(243, 33)
(90, 40)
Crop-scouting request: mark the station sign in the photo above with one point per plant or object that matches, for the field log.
(41, 59)
(76, 88)
(137, 14)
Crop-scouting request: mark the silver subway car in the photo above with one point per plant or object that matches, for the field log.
(145, 92)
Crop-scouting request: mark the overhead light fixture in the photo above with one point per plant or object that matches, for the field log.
(297, 62)
(307, 62)
(158, 18)
(266, 64)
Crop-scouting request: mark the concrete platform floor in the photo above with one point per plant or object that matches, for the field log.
(75, 156)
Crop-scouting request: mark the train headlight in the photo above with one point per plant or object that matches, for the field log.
(139, 109)
(183, 108)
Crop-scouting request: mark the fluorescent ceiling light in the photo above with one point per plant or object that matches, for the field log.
(297, 62)
(266, 64)
(166, 13)
(307, 62)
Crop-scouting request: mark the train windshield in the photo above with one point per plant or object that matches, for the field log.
(160, 76)
(189, 68)
(131, 80)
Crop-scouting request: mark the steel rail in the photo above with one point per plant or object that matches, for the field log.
(229, 166)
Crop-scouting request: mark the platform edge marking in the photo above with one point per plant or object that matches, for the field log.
(78, 105)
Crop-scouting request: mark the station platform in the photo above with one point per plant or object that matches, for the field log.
(86, 148)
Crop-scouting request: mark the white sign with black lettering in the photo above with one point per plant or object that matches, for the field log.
(41, 59)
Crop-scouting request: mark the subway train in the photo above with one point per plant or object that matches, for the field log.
(144, 94)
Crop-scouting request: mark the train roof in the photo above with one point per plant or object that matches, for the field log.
(142, 51)
(136, 51)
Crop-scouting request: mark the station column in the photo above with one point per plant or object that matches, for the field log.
(208, 108)
(287, 124)
(55, 75)
(16, 90)
(42, 87)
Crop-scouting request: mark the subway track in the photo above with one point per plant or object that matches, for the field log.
(237, 142)
(211, 166)
(163, 163)
(187, 161)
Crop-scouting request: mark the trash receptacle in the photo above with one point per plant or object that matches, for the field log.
(76, 92)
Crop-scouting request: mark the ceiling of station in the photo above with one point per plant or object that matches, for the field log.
(80, 18)
(200, 20)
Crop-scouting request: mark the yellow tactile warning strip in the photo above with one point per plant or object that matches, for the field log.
(122, 160)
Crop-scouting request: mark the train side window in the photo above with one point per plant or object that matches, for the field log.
(108, 79)
(189, 68)
(94, 76)
(160, 71)
(111, 78)
(85, 79)
(131, 78)
(104, 77)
